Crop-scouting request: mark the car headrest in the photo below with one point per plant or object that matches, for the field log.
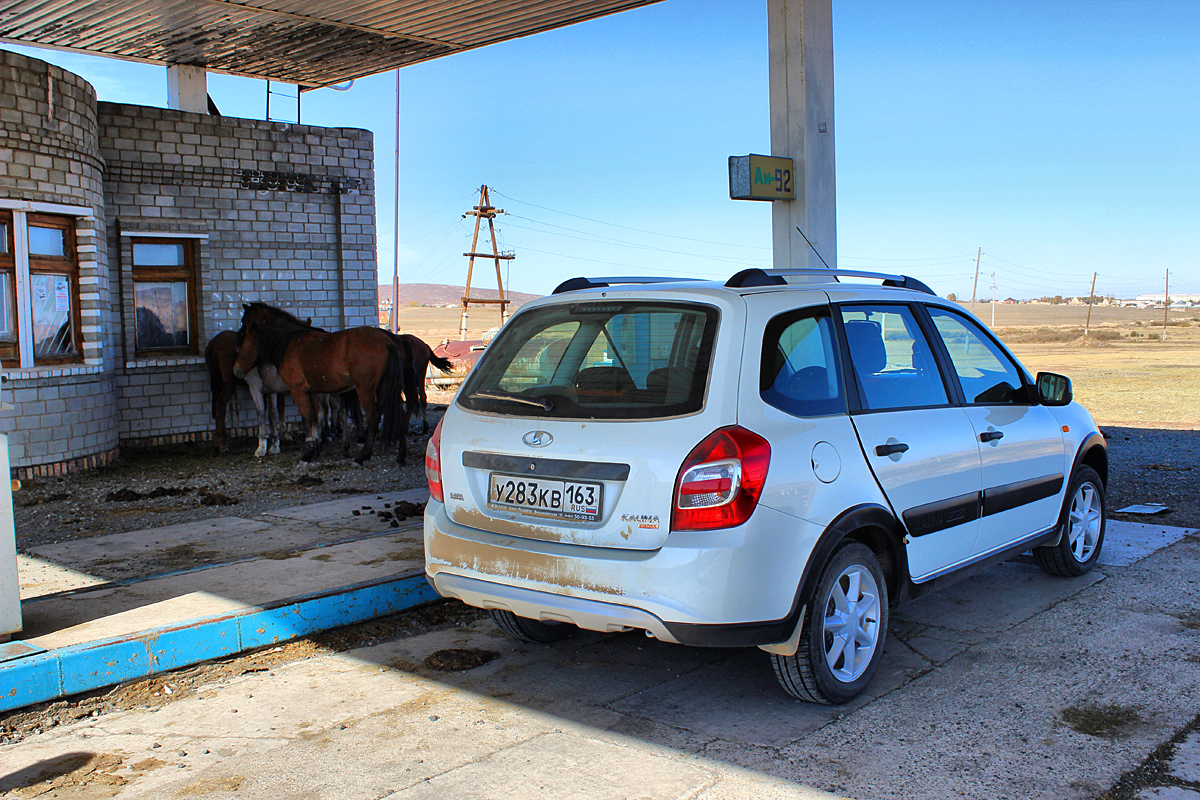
(866, 346)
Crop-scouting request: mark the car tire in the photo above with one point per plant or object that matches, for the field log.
(530, 630)
(1083, 528)
(828, 667)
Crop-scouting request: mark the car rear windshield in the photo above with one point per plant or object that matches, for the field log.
(629, 360)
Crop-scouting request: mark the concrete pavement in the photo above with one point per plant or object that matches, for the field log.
(1010, 684)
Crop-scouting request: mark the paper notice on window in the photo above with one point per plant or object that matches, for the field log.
(62, 299)
(39, 292)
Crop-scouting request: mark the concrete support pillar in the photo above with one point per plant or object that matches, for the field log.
(801, 90)
(187, 88)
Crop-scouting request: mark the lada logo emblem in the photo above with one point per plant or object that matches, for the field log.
(537, 438)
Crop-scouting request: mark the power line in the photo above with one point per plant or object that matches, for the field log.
(683, 273)
(629, 228)
(721, 259)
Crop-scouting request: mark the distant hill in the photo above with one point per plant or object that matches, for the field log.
(437, 294)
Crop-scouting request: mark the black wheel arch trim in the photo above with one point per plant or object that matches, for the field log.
(1093, 440)
(1087, 447)
(752, 634)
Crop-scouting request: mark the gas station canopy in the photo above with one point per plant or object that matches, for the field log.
(313, 43)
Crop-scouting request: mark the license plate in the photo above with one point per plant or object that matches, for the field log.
(575, 500)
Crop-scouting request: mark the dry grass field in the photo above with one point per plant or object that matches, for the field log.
(1126, 374)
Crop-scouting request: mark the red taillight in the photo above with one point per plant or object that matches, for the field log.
(433, 463)
(720, 481)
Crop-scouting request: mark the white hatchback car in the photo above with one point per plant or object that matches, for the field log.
(773, 461)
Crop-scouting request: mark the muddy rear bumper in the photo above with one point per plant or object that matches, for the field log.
(729, 588)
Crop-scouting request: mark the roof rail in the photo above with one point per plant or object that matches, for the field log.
(575, 284)
(775, 277)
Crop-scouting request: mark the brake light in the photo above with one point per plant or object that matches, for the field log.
(433, 463)
(720, 481)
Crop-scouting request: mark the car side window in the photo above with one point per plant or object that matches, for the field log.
(799, 372)
(891, 358)
(987, 375)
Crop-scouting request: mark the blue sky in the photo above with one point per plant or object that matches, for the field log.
(1059, 136)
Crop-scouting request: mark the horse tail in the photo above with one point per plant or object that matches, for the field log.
(390, 394)
(216, 380)
(444, 364)
(412, 380)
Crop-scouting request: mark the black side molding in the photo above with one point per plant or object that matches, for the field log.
(934, 517)
(1012, 495)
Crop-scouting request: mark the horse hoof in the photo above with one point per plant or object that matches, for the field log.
(261, 451)
(273, 449)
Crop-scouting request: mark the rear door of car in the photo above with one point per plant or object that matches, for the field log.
(918, 441)
(1020, 442)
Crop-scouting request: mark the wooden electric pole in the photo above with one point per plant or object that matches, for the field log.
(483, 211)
(1087, 325)
(978, 256)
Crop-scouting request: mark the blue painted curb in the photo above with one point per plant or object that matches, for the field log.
(52, 674)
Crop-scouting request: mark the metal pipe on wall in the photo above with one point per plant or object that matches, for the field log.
(336, 188)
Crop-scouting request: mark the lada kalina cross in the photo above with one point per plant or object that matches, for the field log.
(773, 461)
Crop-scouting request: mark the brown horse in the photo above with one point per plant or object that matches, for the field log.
(219, 356)
(422, 356)
(313, 362)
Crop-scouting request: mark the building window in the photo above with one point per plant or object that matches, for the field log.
(53, 288)
(164, 295)
(37, 257)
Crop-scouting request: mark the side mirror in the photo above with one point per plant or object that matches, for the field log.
(1053, 389)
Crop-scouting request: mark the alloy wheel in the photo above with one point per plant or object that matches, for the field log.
(851, 625)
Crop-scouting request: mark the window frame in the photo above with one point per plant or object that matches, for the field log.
(67, 263)
(10, 352)
(166, 274)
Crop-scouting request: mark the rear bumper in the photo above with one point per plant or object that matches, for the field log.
(728, 588)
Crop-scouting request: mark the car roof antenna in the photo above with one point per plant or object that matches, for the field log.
(810, 244)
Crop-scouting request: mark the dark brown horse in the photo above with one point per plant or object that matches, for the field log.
(422, 356)
(219, 356)
(313, 362)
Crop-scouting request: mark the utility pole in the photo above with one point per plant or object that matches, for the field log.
(993, 301)
(395, 320)
(1166, 301)
(481, 212)
(975, 286)
(1087, 325)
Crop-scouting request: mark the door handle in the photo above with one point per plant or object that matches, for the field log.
(991, 436)
(889, 449)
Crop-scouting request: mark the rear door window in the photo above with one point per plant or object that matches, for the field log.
(893, 362)
(597, 361)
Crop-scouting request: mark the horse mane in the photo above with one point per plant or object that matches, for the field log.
(273, 316)
(273, 343)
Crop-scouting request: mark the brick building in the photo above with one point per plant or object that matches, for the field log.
(129, 236)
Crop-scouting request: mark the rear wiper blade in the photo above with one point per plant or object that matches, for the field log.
(541, 402)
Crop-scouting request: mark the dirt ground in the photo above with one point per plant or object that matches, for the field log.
(150, 488)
